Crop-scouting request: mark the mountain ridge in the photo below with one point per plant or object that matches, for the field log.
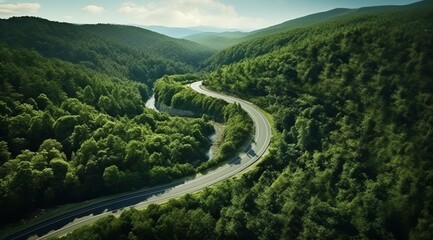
(119, 50)
(220, 42)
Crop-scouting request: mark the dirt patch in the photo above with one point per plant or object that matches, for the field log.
(217, 138)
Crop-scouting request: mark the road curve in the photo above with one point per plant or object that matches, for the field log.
(159, 194)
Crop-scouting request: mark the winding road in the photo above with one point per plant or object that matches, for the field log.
(65, 223)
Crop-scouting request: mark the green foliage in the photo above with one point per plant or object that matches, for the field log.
(352, 103)
(221, 41)
(121, 51)
(59, 144)
(170, 48)
(349, 97)
(171, 91)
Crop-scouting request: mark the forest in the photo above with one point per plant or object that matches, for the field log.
(69, 134)
(352, 104)
(121, 51)
(351, 100)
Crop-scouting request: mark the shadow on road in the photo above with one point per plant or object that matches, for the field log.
(235, 161)
(112, 205)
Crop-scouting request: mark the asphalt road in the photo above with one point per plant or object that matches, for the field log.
(159, 194)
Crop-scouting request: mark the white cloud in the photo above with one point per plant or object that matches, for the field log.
(187, 13)
(18, 8)
(93, 9)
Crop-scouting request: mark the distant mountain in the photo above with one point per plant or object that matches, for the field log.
(223, 40)
(172, 31)
(123, 51)
(178, 32)
(299, 22)
(274, 37)
(156, 43)
(220, 38)
(217, 41)
(220, 41)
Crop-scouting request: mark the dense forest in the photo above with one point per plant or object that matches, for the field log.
(69, 133)
(121, 51)
(72, 120)
(352, 101)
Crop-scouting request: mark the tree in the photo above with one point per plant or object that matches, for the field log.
(60, 168)
(112, 176)
(80, 134)
(43, 101)
(4, 152)
(88, 95)
(50, 144)
(64, 126)
(136, 154)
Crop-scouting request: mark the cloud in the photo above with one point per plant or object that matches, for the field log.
(93, 9)
(188, 13)
(18, 8)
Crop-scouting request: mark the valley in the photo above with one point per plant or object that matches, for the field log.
(346, 93)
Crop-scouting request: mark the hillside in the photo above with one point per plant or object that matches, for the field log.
(178, 50)
(299, 22)
(217, 41)
(351, 99)
(272, 40)
(220, 41)
(129, 52)
(175, 32)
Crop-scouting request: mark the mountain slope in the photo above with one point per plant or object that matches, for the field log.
(217, 41)
(352, 98)
(152, 42)
(224, 40)
(299, 22)
(220, 41)
(172, 31)
(272, 40)
(136, 54)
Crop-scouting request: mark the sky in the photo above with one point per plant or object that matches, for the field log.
(230, 14)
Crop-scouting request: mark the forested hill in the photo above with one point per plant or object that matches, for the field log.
(352, 98)
(317, 18)
(171, 48)
(124, 51)
(314, 26)
(299, 22)
(218, 41)
(224, 40)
